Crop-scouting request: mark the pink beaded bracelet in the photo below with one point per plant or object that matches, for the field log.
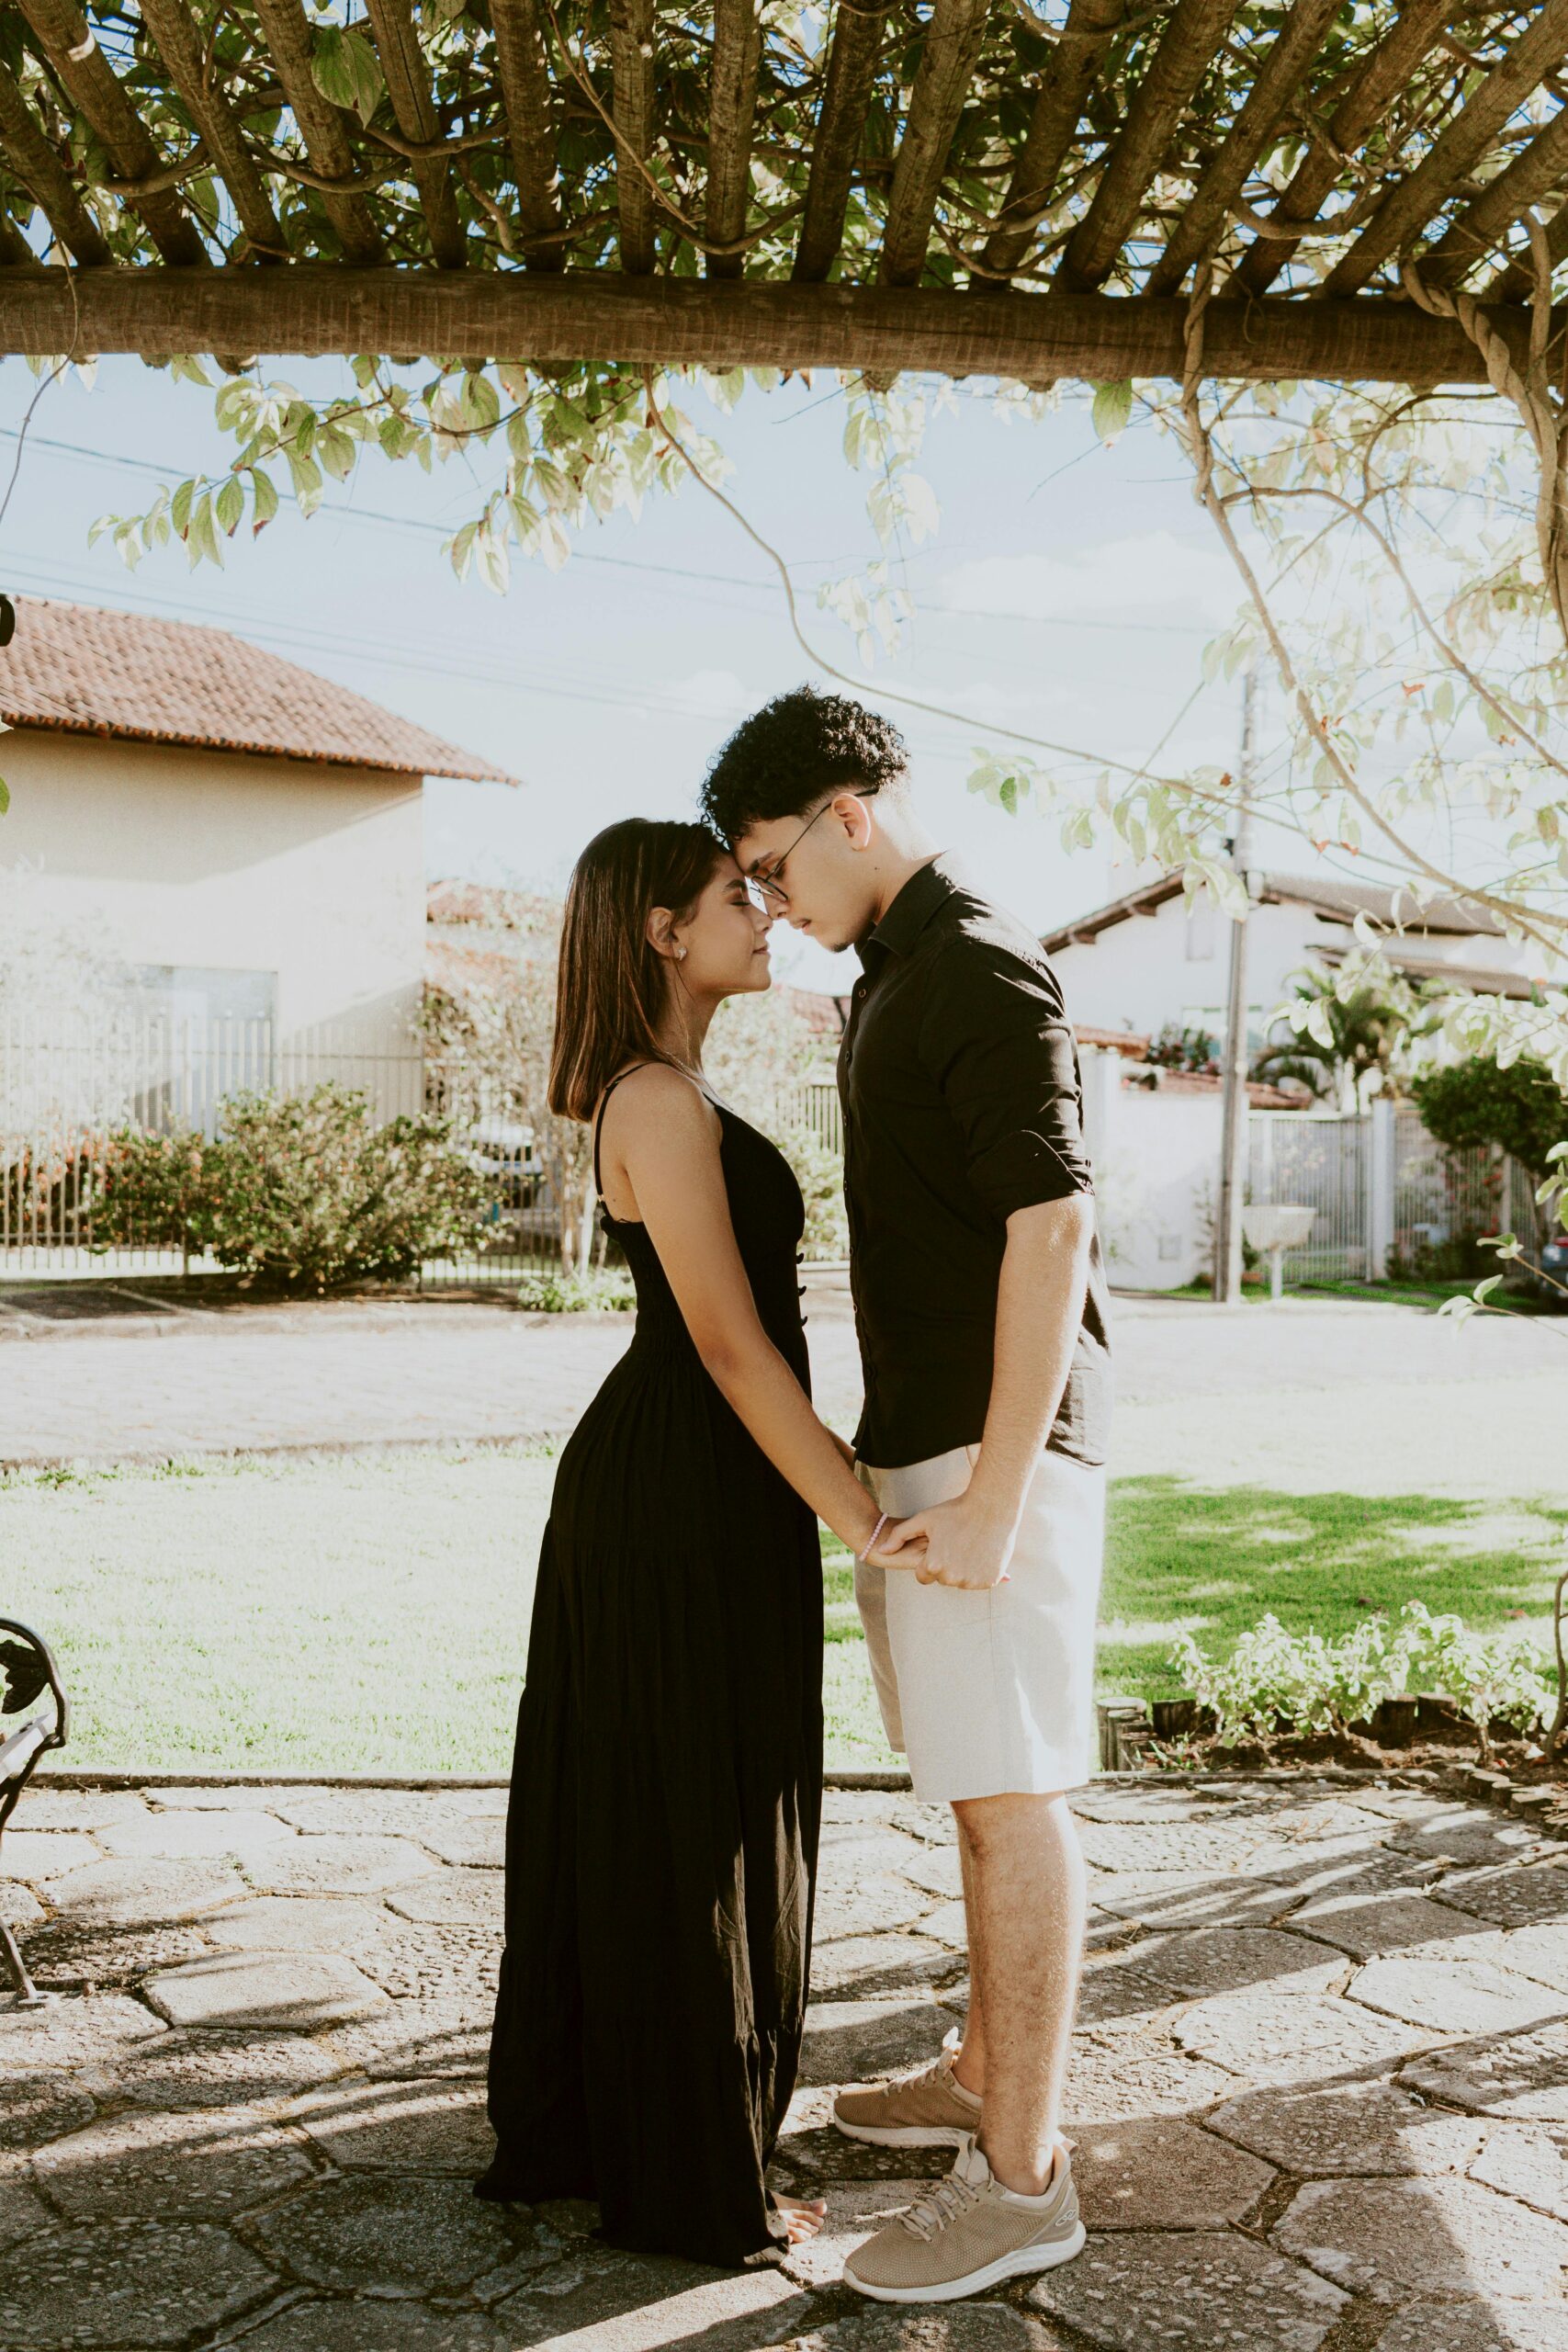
(871, 1540)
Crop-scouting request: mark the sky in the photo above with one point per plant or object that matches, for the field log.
(1068, 592)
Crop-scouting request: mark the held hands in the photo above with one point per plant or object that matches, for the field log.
(964, 1543)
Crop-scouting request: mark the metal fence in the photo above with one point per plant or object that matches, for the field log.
(70, 1079)
(1321, 1163)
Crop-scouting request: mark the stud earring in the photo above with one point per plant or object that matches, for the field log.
(681, 954)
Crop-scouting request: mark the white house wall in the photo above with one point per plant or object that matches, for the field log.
(1160, 969)
(1157, 1166)
(223, 861)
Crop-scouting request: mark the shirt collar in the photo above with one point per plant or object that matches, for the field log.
(927, 889)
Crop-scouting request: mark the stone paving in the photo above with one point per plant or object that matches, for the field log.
(1319, 2085)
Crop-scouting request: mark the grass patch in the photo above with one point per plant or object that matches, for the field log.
(371, 1614)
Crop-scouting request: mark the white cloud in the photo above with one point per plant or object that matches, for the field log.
(1152, 575)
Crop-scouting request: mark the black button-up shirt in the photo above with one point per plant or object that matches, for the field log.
(958, 1073)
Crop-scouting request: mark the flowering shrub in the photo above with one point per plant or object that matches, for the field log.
(1306, 1683)
(605, 1287)
(297, 1189)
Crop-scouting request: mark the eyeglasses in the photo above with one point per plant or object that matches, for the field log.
(763, 890)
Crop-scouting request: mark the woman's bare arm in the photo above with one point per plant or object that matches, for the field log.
(660, 1148)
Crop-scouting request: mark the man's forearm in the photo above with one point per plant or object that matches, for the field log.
(1040, 1301)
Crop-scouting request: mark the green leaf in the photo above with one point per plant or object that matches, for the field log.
(1112, 409)
(1006, 793)
(264, 497)
(5, 795)
(345, 69)
(230, 506)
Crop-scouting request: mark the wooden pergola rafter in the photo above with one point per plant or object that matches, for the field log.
(1023, 187)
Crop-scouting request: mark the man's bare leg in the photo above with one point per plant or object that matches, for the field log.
(969, 2066)
(1026, 1903)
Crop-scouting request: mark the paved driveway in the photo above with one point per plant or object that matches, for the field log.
(1319, 2087)
(1310, 1395)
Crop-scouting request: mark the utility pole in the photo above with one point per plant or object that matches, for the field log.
(1233, 1143)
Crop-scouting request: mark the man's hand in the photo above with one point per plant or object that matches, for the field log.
(967, 1544)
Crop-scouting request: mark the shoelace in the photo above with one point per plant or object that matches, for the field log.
(939, 2206)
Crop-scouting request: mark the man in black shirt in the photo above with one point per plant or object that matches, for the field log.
(980, 1307)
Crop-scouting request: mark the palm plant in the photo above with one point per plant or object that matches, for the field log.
(1349, 1035)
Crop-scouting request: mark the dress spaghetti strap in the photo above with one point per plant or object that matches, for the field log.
(599, 1118)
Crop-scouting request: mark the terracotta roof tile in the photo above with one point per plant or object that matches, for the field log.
(88, 672)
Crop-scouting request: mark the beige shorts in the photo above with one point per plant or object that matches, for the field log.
(991, 1692)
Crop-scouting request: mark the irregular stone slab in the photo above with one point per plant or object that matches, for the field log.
(1330, 1819)
(855, 2211)
(1476, 2328)
(375, 2327)
(1540, 1953)
(1115, 1992)
(376, 1813)
(43, 1807)
(150, 2164)
(852, 1906)
(239, 2068)
(1271, 2041)
(337, 1865)
(452, 1898)
(1111, 2077)
(23, 2212)
(1467, 1833)
(862, 1965)
(407, 2038)
(422, 2237)
(1455, 1996)
(860, 2041)
(1162, 2173)
(1349, 2126)
(479, 1843)
(1440, 2236)
(604, 2301)
(352, 1924)
(125, 2283)
(1524, 2076)
(420, 1963)
(1226, 1960)
(1528, 2161)
(296, 1990)
(1190, 1898)
(933, 1825)
(124, 1893)
(176, 1837)
(38, 1854)
(1151, 1804)
(73, 2032)
(1376, 1927)
(959, 2327)
(428, 2127)
(228, 1796)
(937, 1870)
(948, 1924)
(1189, 2287)
(1511, 1898)
(83, 1956)
(39, 2107)
(1218, 1846)
(19, 1906)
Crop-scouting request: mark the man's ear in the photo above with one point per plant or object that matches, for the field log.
(854, 811)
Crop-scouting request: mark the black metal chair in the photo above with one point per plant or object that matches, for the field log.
(27, 1672)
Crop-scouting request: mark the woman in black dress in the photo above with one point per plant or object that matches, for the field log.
(662, 1841)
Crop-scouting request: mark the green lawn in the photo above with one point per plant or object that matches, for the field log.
(370, 1613)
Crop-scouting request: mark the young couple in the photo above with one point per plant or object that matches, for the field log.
(662, 1843)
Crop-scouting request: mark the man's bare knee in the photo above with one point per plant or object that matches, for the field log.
(984, 1823)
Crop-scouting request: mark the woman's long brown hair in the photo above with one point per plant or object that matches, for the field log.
(610, 999)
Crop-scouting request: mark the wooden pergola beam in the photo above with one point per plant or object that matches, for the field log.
(320, 126)
(93, 88)
(732, 112)
(1059, 103)
(1538, 170)
(1381, 79)
(179, 45)
(30, 159)
(1410, 203)
(1205, 213)
(1193, 33)
(308, 308)
(840, 124)
(631, 69)
(523, 70)
(948, 57)
(408, 86)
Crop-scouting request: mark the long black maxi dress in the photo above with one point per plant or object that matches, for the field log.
(666, 1786)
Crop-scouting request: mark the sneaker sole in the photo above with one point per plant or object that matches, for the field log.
(1021, 2265)
(904, 2135)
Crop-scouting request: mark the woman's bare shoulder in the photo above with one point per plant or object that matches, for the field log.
(657, 1093)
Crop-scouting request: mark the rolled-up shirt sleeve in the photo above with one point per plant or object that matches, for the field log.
(996, 1040)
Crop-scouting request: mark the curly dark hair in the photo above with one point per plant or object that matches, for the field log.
(794, 750)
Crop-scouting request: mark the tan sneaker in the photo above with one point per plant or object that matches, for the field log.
(968, 2233)
(925, 2110)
